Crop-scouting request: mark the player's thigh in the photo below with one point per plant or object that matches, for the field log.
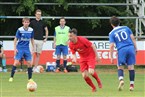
(85, 74)
(122, 57)
(58, 50)
(1, 55)
(131, 59)
(19, 54)
(16, 62)
(35, 45)
(64, 50)
(39, 46)
(83, 66)
(27, 55)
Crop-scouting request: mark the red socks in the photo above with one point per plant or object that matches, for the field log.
(97, 79)
(89, 82)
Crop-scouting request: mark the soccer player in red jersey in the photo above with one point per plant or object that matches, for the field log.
(88, 57)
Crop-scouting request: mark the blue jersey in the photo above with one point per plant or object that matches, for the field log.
(121, 37)
(24, 37)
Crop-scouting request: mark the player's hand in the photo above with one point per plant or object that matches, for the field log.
(45, 40)
(32, 52)
(112, 61)
(74, 60)
(135, 51)
(98, 60)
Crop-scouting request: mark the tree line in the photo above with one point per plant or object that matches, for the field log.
(88, 27)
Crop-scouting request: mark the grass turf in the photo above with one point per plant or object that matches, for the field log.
(70, 85)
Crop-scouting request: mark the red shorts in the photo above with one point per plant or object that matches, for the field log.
(86, 64)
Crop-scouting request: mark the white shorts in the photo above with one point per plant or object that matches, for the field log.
(38, 44)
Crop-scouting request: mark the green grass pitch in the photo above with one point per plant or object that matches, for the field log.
(70, 85)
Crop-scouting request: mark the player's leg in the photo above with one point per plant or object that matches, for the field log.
(131, 76)
(29, 70)
(65, 53)
(4, 63)
(16, 62)
(131, 60)
(120, 77)
(58, 54)
(18, 57)
(91, 64)
(121, 62)
(37, 51)
(28, 58)
(85, 75)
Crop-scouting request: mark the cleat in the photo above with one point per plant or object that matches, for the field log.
(57, 70)
(31, 80)
(121, 84)
(100, 85)
(11, 79)
(4, 70)
(131, 87)
(94, 90)
(65, 71)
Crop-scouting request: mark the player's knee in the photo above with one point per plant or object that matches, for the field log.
(4, 56)
(91, 71)
(58, 57)
(85, 74)
(120, 67)
(131, 67)
(65, 58)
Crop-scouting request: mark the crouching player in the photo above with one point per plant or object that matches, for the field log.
(22, 39)
(2, 56)
(88, 57)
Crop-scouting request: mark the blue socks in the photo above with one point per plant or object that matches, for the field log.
(57, 63)
(4, 63)
(13, 71)
(29, 72)
(120, 74)
(131, 76)
(64, 63)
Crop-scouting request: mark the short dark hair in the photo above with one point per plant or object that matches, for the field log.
(25, 19)
(38, 10)
(114, 21)
(73, 30)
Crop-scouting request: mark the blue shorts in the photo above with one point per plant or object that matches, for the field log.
(61, 49)
(23, 53)
(126, 56)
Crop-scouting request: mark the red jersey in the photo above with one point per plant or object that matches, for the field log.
(84, 47)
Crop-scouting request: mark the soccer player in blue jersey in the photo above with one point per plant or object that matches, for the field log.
(22, 39)
(123, 38)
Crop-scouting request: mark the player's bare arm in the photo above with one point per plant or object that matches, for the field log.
(15, 43)
(32, 42)
(134, 41)
(2, 52)
(74, 58)
(46, 34)
(111, 52)
(54, 42)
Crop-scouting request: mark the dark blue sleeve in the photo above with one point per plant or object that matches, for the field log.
(111, 38)
(18, 35)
